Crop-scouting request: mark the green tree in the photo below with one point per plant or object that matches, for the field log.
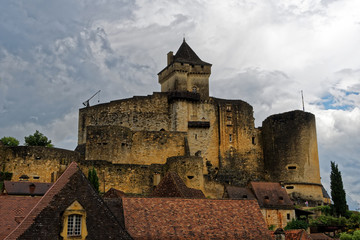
(296, 224)
(94, 179)
(38, 139)
(338, 195)
(10, 141)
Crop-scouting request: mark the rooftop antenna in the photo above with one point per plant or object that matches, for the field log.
(87, 102)
(302, 98)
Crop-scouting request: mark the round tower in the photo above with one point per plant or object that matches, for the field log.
(291, 154)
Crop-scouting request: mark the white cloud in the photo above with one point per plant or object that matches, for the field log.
(55, 55)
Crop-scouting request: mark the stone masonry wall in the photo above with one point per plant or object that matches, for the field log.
(40, 164)
(121, 145)
(148, 113)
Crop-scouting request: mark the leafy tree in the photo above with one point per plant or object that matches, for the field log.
(338, 195)
(94, 179)
(10, 141)
(296, 224)
(38, 139)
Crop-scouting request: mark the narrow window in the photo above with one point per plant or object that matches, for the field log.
(291, 167)
(288, 216)
(228, 120)
(195, 136)
(244, 196)
(190, 177)
(230, 138)
(253, 140)
(74, 225)
(289, 187)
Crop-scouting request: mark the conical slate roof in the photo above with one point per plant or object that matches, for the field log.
(186, 55)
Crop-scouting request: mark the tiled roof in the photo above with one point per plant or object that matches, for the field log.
(174, 218)
(186, 55)
(319, 236)
(44, 201)
(13, 210)
(44, 220)
(173, 186)
(26, 188)
(233, 192)
(271, 195)
(295, 234)
(114, 193)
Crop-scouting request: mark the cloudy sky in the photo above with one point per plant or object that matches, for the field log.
(55, 54)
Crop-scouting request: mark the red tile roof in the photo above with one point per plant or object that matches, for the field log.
(44, 201)
(295, 234)
(271, 195)
(233, 192)
(13, 210)
(174, 218)
(26, 188)
(319, 236)
(173, 186)
(114, 193)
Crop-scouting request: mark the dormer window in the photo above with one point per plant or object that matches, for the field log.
(74, 225)
(74, 222)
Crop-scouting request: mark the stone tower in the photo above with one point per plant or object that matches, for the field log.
(291, 153)
(185, 72)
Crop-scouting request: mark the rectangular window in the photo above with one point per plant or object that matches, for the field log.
(288, 216)
(230, 138)
(74, 225)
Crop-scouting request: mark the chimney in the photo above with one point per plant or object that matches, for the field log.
(279, 234)
(170, 58)
(32, 189)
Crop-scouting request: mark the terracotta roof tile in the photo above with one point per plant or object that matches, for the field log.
(13, 210)
(174, 218)
(26, 188)
(114, 193)
(173, 186)
(271, 194)
(295, 234)
(233, 192)
(44, 201)
(319, 236)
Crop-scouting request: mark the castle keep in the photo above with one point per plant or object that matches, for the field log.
(209, 142)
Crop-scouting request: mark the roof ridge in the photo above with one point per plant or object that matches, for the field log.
(48, 196)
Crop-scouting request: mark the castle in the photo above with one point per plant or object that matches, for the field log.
(209, 142)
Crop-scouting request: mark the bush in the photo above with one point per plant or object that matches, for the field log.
(10, 141)
(345, 236)
(296, 224)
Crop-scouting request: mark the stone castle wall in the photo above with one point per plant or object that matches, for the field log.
(118, 144)
(138, 113)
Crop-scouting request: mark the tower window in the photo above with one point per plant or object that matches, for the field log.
(230, 138)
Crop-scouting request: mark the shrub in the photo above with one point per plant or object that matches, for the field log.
(296, 224)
